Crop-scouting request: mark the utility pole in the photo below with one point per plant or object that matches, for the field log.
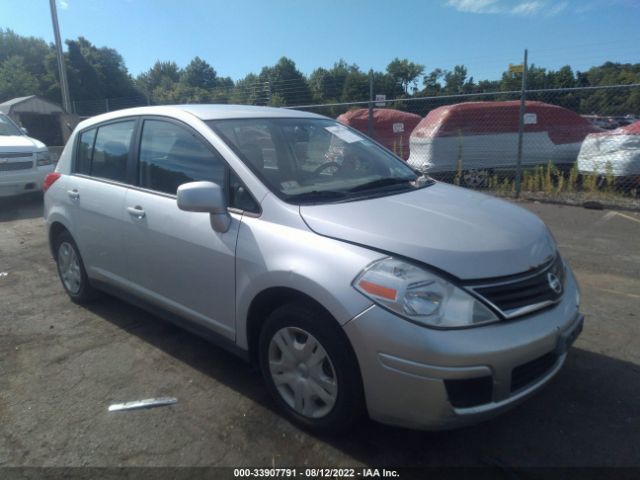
(64, 85)
(521, 124)
(370, 122)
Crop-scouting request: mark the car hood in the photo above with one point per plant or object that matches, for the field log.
(465, 233)
(19, 143)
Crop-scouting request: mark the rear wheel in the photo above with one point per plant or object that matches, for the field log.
(310, 369)
(71, 269)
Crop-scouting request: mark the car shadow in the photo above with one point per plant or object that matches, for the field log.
(21, 207)
(587, 415)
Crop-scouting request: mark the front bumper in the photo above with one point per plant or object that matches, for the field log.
(431, 379)
(23, 181)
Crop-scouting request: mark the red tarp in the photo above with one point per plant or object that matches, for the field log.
(491, 118)
(391, 128)
(632, 129)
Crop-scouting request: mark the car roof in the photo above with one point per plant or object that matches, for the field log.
(205, 112)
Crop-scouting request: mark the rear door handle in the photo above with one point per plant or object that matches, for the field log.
(136, 211)
(73, 194)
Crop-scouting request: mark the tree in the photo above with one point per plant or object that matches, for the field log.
(15, 79)
(285, 80)
(250, 91)
(455, 80)
(162, 75)
(405, 73)
(356, 87)
(431, 82)
(95, 73)
(199, 74)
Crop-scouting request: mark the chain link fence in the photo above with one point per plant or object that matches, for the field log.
(535, 145)
(572, 145)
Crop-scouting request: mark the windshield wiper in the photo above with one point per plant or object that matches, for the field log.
(318, 195)
(381, 182)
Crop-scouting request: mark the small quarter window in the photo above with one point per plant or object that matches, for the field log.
(239, 196)
(85, 151)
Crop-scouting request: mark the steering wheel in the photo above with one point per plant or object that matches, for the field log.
(325, 166)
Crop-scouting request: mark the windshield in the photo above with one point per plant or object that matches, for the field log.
(7, 127)
(315, 160)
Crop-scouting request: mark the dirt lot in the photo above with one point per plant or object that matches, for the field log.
(61, 365)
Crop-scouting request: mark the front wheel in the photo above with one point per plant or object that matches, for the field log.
(310, 369)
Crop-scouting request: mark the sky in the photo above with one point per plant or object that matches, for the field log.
(238, 37)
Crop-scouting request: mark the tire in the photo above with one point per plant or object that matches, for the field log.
(74, 278)
(475, 178)
(321, 394)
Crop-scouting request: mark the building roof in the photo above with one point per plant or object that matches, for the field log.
(30, 104)
(6, 106)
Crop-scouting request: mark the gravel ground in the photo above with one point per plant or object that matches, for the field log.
(61, 365)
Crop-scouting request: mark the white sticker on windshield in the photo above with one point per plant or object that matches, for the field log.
(343, 134)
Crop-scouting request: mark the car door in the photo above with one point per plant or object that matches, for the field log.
(174, 258)
(95, 197)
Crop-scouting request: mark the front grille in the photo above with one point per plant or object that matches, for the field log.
(8, 167)
(14, 155)
(531, 371)
(469, 392)
(516, 297)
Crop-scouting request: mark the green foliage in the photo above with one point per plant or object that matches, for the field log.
(28, 66)
(405, 73)
(163, 76)
(15, 80)
(199, 74)
(287, 82)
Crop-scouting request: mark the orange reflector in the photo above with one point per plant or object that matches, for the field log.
(378, 290)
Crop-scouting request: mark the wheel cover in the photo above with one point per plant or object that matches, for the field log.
(475, 178)
(69, 267)
(302, 372)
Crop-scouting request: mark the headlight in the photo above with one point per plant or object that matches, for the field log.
(43, 158)
(420, 295)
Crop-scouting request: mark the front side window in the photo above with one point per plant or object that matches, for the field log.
(111, 150)
(315, 160)
(171, 155)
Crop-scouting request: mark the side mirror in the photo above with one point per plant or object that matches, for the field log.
(206, 197)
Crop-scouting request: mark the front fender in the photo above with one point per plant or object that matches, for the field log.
(270, 255)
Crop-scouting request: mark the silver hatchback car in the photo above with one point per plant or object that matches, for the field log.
(356, 284)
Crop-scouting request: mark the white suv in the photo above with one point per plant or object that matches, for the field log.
(24, 161)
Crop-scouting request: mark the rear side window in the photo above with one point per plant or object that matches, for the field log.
(111, 150)
(85, 151)
(171, 155)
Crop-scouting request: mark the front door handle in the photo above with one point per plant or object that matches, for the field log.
(136, 211)
(73, 194)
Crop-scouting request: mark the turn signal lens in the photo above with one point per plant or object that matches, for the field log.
(378, 290)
